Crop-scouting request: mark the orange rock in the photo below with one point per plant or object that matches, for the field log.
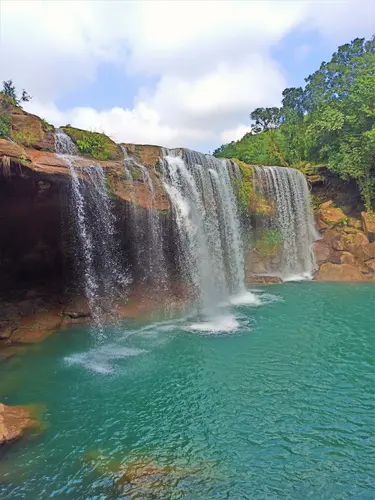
(339, 272)
(14, 420)
(11, 149)
(371, 264)
(326, 204)
(331, 215)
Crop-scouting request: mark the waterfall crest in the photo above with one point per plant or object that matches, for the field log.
(289, 224)
(205, 210)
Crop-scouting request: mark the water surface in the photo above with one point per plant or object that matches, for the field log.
(270, 399)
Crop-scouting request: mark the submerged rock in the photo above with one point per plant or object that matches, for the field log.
(138, 476)
(14, 420)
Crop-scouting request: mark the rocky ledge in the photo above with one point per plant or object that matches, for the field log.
(14, 421)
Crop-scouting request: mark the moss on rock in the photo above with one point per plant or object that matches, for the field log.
(94, 144)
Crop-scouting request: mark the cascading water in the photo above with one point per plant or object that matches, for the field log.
(98, 255)
(289, 225)
(146, 228)
(205, 210)
(156, 259)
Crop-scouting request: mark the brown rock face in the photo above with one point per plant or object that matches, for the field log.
(369, 225)
(339, 272)
(14, 420)
(322, 251)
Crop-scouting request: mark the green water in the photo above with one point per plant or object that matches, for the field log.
(281, 405)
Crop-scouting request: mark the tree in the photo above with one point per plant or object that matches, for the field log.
(9, 90)
(265, 119)
(339, 98)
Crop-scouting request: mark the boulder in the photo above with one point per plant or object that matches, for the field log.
(330, 215)
(339, 272)
(347, 258)
(371, 264)
(339, 243)
(368, 220)
(365, 252)
(14, 420)
(327, 204)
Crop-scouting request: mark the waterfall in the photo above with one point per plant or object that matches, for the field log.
(97, 254)
(156, 259)
(205, 211)
(147, 228)
(289, 225)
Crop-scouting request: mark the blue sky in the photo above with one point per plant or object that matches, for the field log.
(180, 73)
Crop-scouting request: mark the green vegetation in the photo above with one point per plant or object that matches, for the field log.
(136, 174)
(244, 186)
(5, 120)
(269, 243)
(331, 121)
(47, 127)
(25, 138)
(94, 144)
(8, 99)
(9, 91)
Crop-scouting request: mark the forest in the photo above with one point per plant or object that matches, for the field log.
(330, 121)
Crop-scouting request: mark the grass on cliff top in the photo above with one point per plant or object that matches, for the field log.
(94, 144)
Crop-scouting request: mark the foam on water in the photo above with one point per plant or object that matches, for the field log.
(101, 360)
(220, 324)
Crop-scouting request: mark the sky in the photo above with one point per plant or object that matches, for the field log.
(174, 73)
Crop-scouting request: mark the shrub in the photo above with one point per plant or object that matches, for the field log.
(47, 127)
(94, 144)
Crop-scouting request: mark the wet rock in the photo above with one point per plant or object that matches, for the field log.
(14, 420)
(339, 272)
(368, 220)
(78, 308)
(36, 327)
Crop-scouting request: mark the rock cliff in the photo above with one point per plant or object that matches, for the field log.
(38, 286)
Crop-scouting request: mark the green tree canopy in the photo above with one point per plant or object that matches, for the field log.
(331, 121)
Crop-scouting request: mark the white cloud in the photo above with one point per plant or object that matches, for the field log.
(234, 134)
(211, 60)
